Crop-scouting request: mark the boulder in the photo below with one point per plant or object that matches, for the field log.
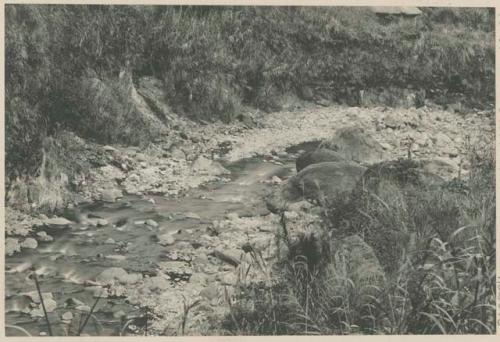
(354, 143)
(319, 155)
(403, 174)
(322, 182)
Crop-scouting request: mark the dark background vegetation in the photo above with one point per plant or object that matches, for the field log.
(215, 61)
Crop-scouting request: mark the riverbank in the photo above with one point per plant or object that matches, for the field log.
(200, 195)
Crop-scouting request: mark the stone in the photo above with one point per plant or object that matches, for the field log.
(29, 243)
(43, 236)
(73, 302)
(230, 256)
(12, 246)
(401, 174)
(157, 284)
(229, 278)
(35, 297)
(322, 182)
(151, 223)
(178, 154)
(166, 239)
(57, 222)
(210, 292)
(117, 274)
(191, 215)
(110, 241)
(205, 166)
(276, 180)
(356, 144)
(199, 278)
(319, 155)
(232, 216)
(67, 316)
(299, 206)
(83, 308)
(176, 269)
(111, 195)
(116, 257)
(102, 222)
(108, 148)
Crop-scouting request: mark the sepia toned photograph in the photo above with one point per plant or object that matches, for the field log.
(189, 170)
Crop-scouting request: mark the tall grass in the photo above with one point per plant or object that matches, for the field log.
(398, 258)
(215, 61)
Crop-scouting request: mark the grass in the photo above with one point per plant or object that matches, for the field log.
(73, 67)
(399, 257)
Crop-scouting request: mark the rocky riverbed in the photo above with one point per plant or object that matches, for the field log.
(170, 231)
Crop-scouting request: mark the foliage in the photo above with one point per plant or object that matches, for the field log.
(436, 248)
(214, 61)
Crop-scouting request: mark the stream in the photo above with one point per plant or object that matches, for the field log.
(78, 254)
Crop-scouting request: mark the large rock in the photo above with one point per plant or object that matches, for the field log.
(319, 155)
(356, 144)
(323, 182)
(404, 174)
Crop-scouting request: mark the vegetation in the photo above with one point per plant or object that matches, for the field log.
(420, 260)
(63, 64)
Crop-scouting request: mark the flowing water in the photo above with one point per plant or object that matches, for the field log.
(78, 254)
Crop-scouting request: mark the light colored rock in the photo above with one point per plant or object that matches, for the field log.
(211, 292)
(229, 278)
(116, 257)
(151, 223)
(29, 243)
(43, 236)
(57, 222)
(111, 195)
(35, 298)
(157, 283)
(102, 222)
(357, 144)
(12, 246)
(191, 215)
(67, 316)
(166, 239)
(108, 148)
(117, 274)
